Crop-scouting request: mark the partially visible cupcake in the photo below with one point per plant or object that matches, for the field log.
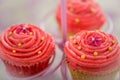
(81, 15)
(25, 49)
(93, 55)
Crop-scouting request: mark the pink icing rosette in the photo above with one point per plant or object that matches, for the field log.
(93, 52)
(26, 49)
(82, 15)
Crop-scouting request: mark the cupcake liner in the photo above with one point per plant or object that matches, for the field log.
(24, 71)
(80, 75)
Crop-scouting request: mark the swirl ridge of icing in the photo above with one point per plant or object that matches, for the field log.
(25, 43)
(82, 15)
(91, 58)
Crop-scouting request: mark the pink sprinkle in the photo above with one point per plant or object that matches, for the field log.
(95, 39)
(22, 29)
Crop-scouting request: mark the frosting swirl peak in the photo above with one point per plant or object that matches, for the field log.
(82, 15)
(93, 52)
(25, 44)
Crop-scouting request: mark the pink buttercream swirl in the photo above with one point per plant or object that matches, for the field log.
(25, 45)
(105, 45)
(82, 15)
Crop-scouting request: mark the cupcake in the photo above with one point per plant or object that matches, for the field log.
(25, 49)
(93, 55)
(81, 15)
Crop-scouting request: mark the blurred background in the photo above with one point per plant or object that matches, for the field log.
(37, 11)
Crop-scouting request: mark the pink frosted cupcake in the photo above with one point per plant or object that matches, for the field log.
(93, 55)
(25, 49)
(81, 15)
